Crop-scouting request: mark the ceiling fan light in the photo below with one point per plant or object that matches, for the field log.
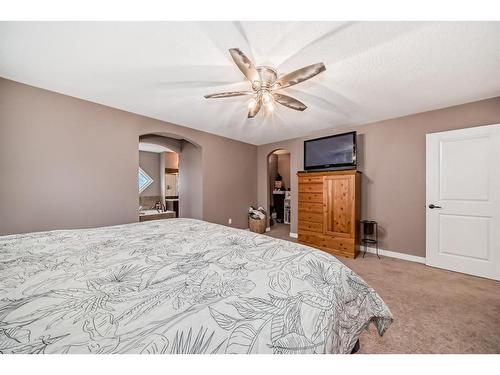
(252, 103)
(267, 97)
(265, 82)
(269, 106)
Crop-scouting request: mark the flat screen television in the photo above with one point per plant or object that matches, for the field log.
(332, 152)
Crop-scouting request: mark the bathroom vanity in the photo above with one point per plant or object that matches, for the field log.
(147, 215)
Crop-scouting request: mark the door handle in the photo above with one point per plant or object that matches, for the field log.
(432, 206)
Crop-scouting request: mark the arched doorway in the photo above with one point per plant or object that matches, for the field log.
(170, 178)
(279, 193)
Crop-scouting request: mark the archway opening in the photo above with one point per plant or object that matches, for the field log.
(169, 178)
(279, 193)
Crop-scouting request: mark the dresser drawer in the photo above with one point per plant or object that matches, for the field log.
(310, 226)
(310, 188)
(311, 197)
(310, 179)
(333, 245)
(314, 217)
(310, 207)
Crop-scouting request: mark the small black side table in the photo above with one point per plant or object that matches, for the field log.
(370, 235)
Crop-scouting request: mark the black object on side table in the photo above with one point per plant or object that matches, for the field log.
(370, 235)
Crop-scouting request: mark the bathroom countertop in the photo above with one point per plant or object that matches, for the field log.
(154, 212)
(147, 215)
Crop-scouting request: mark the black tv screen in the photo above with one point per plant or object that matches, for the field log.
(333, 152)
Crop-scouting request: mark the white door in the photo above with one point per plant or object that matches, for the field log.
(463, 201)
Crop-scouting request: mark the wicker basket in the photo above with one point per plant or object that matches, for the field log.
(257, 225)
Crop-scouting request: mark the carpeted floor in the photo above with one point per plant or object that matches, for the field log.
(435, 311)
(280, 231)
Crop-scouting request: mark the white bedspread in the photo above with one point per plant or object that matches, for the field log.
(177, 286)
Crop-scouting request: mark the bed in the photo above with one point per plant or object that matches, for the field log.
(178, 286)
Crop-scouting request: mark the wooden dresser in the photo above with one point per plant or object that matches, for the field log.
(329, 210)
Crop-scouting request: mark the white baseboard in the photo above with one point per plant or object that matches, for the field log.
(372, 250)
(393, 254)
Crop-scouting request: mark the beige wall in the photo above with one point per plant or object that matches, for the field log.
(392, 159)
(284, 168)
(190, 182)
(171, 160)
(87, 161)
(272, 169)
(150, 163)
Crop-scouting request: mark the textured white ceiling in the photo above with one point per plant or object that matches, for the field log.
(375, 70)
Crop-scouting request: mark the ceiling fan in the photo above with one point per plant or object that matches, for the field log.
(265, 83)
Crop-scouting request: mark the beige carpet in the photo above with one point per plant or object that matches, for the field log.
(435, 311)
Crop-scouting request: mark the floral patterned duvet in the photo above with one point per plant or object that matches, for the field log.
(178, 286)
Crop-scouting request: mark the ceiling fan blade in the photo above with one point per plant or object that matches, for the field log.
(255, 109)
(228, 94)
(289, 102)
(299, 75)
(245, 65)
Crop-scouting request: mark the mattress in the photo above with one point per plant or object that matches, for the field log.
(178, 286)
